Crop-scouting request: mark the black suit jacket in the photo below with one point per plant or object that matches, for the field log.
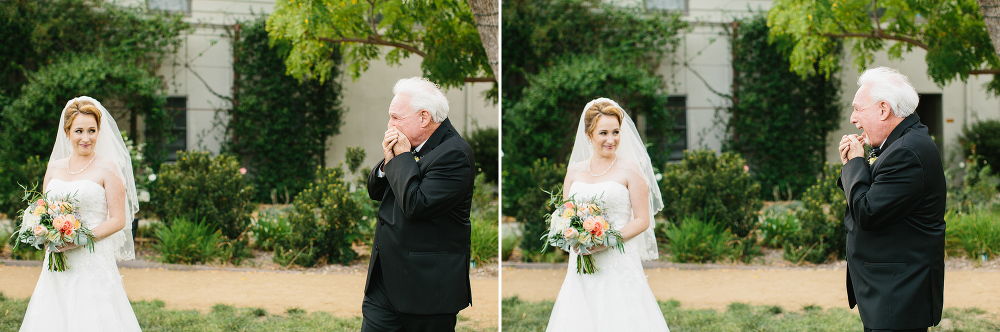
(422, 239)
(896, 231)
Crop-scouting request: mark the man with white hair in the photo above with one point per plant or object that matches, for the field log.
(895, 208)
(418, 275)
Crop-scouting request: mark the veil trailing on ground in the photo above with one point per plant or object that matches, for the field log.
(110, 146)
(630, 147)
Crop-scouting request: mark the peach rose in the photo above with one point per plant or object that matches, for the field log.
(570, 233)
(59, 222)
(569, 205)
(39, 230)
(589, 224)
(600, 220)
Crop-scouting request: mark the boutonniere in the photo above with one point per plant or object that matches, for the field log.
(872, 160)
(415, 158)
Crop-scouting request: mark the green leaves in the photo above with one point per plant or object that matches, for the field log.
(952, 33)
(443, 32)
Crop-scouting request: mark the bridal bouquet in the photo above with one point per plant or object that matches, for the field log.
(52, 223)
(584, 225)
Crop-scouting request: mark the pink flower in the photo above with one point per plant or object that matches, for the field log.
(746, 168)
(569, 205)
(243, 170)
(570, 233)
(39, 230)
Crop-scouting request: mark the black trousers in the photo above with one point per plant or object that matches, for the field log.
(911, 330)
(380, 316)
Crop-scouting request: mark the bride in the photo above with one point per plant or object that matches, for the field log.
(89, 160)
(609, 161)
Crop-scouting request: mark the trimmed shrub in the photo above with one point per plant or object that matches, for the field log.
(974, 234)
(485, 235)
(822, 237)
(200, 187)
(270, 229)
(977, 188)
(485, 144)
(532, 207)
(695, 241)
(711, 187)
(982, 138)
(12, 177)
(324, 223)
(188, 242)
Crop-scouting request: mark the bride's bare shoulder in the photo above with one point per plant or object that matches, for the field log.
(579, 166)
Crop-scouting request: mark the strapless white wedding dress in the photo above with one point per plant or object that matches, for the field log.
(89, 295)
(617, 297)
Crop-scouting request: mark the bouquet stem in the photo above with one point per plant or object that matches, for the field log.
(585, 264)
(57, 262)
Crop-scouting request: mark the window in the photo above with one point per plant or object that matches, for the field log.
(668, 141)
(177, 107)
(667, 5)
(183, 6)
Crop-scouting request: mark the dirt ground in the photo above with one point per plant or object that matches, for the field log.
(276, 291)
(717, 286)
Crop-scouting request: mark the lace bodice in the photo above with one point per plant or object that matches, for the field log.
(613, 197)
(90, 199)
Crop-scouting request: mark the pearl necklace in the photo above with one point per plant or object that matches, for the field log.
(605, 171)
(84, 167)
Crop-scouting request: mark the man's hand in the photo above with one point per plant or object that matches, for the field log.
(850, 148)
(390, 140)
(402, 143)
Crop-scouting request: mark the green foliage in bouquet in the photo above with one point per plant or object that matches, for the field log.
(531, 208)
(823, 236)
(184, 241)
(485, 143)
(278, 125)
(200, 187)
(324, 223)
(696, 241)
(711, 187)
(974, 233)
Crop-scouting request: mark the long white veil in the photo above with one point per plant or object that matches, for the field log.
(110, 146)
(630, 147)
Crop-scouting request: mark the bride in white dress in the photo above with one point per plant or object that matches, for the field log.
(90, 161)
(609, 161)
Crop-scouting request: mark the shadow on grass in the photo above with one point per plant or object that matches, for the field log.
(523, 316)
(153, 317)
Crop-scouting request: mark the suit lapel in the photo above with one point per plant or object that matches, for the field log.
(442, 132)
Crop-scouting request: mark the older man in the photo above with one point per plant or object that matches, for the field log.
(895, 208)
(418, 276)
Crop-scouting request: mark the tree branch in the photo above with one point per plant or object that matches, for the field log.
(410, 48)
(480, 79)
(907, 40)
(984, 72)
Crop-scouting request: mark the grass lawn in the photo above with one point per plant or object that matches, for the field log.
(153, 317)
(522, 316)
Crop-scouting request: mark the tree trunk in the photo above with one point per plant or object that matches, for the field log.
(487, 14)
(991, 16)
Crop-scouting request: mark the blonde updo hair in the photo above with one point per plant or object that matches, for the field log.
(598, 109)
(78, 107)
